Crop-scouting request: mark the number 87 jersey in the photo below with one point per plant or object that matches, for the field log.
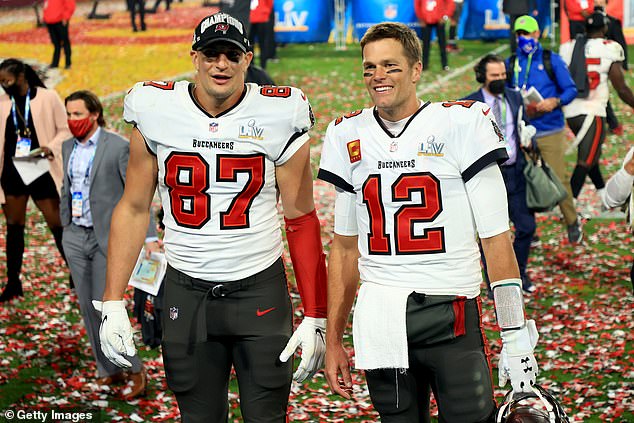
(216, 174)
(414, 218)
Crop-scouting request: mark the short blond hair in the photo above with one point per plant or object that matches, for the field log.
(399, 32)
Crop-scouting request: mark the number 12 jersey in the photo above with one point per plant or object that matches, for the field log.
(414, 219)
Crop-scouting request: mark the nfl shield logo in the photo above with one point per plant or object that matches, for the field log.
(213, 127)
(173, 313)
(390, 11)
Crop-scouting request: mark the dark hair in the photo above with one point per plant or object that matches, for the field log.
(597, 22)
(15, 67)
(396, 31)
(481, 67)
(91, 101)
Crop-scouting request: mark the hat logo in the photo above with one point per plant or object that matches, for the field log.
(224, 27)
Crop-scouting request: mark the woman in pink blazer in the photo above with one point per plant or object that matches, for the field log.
(31, 116)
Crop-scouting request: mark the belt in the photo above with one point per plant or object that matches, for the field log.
(214, 290)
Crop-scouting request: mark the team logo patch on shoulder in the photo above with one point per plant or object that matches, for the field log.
(173, 313)
(497, 131)
(354, 151)
(431, 148)
(251, 131)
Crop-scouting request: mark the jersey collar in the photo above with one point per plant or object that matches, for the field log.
(375, 112)
(190, 89)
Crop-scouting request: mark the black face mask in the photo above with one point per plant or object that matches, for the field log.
(12, 90)
(497, 87)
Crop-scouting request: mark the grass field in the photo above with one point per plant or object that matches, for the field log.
(583, 306)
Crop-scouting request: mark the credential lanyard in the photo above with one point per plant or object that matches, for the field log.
(72, 159)
(516, 71)
(27, 112)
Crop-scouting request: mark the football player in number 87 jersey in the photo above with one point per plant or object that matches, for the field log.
(416, 182)
(218, 149)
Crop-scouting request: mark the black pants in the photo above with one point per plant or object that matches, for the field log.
(576, 27)
(158, 2)
(203, 336)
(239, 9)
(588, 151)
(512, 36)
(613, 121)
(448, 355)
(133, 7)
(442, 43)
(59, 37)
(265, 34)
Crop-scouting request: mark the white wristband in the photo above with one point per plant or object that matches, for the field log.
(509, 303)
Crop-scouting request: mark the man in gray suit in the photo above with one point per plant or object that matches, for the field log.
(95, 162)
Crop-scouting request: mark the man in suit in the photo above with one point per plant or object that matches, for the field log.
(95, 162)
(507, 108)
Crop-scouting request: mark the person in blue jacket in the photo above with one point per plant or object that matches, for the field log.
(543, 79)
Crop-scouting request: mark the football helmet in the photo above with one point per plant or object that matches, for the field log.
(538, 406)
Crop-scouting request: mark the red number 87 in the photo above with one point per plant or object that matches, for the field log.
(187, 181)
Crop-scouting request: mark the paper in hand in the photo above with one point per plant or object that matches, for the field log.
(31, 167)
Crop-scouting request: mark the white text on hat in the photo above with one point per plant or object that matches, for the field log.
(220, 17)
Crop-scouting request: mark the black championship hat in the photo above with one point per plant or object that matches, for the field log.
(220, 27)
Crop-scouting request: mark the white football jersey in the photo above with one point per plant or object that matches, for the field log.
(415, 222)
(600, 54)
(216, 175)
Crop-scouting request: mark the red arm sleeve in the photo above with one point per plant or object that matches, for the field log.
(309, 262)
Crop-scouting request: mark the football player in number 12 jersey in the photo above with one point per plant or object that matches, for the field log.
(416, 183)
(219, 149)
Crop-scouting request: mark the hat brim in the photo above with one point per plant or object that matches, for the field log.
(202, 44)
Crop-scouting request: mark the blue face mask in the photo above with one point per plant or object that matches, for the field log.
(526, 44)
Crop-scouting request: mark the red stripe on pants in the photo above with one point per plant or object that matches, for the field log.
(595, 140)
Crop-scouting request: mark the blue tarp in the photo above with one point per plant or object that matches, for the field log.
(483, 19)
(308, 21)
(366, 13)
(303, 21)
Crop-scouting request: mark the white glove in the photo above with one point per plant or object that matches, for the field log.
(115, 332)
(517, 362)
(310, 336)
(527, 132)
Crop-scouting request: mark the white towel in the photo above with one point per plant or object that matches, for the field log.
(379, 327)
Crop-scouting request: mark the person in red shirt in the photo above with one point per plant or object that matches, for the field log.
(262, 27)
(56, 15)
(434, 14)
(577, 12)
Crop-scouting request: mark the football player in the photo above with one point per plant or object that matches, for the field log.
(586, 116)
(415, 182)
(219, 149)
